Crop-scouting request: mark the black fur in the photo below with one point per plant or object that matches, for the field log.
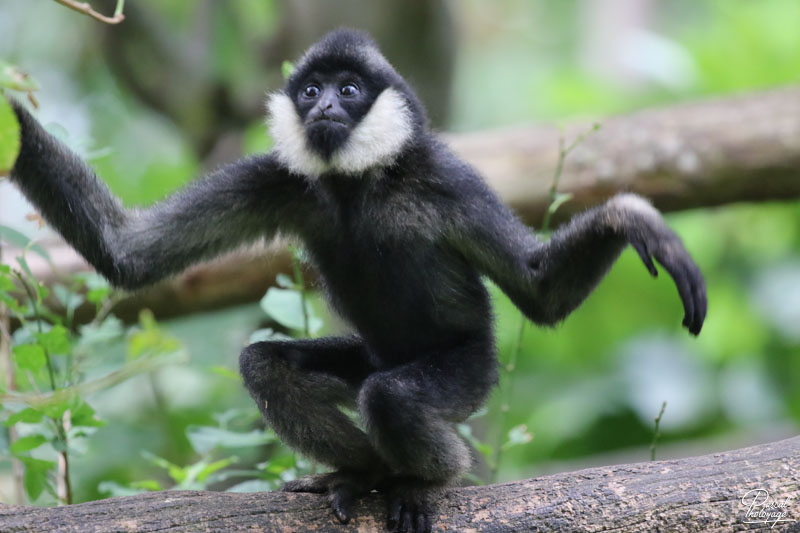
(400, 250)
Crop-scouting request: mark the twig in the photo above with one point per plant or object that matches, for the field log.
(563, 152)
(86, 9)
(505, 399)
(656, 434)
(64, 485)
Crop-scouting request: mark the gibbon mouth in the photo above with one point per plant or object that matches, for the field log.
(327, 119)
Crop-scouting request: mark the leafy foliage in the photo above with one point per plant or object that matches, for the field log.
(47, 355)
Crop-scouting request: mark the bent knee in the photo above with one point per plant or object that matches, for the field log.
(258, 364)
(384, 398)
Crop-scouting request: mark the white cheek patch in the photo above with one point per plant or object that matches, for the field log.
(379, 137)
(289, 136)
(375, 141)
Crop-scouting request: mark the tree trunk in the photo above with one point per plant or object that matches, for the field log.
(717, 492)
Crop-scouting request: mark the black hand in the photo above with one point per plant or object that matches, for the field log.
(668, 250)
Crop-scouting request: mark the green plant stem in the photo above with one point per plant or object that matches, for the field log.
(656, 433)
(64, 484)
(563, 152)
(35, 305)
(64, 488)
(505, 399)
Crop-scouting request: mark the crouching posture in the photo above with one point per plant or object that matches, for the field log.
(401, 232)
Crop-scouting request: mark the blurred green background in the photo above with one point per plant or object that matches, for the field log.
(588, 390)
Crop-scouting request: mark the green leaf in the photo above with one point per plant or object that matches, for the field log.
(285, 307)
(29, 357)
(205, 438)
(150, 340)
(58, 445)
(147, 484)
(224, 371)
(108, 330)
(284, 281)
(29, 415)
(84, 415)
(14, 306)
(9, 137)
(11, 77)
(55, 341)
(98, 287)
(36, 471)
(70, 300)
(517, 436)
(42, 292)
(559, 199)
(23, 263)
(279, 465)
(6, 284)
(177, 473)
(65, 400)
(213, 467)
(12, 236)
(114, 489)
(93, 280)
(28, 443)
(97, 296)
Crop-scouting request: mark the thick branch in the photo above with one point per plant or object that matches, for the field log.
(697, 494)
(700, 154)
(739, 149)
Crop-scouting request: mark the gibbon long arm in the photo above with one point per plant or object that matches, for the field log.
(135, 247)
(547, 281)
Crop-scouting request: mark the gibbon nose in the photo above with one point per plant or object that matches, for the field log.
(325, 104)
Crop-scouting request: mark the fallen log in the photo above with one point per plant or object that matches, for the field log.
(753, 489)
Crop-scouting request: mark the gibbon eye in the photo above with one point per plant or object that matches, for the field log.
(311, 91)
(349, 90)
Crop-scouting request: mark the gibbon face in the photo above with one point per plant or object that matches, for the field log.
(344, 110)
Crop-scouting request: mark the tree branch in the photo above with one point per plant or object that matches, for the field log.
(86, 9)
(698, 494)
(744, 148)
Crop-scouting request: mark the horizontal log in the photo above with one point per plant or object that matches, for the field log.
(706, 153)
(712, 493)
(699, 154)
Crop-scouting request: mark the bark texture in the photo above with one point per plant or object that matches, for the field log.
(700, 494)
